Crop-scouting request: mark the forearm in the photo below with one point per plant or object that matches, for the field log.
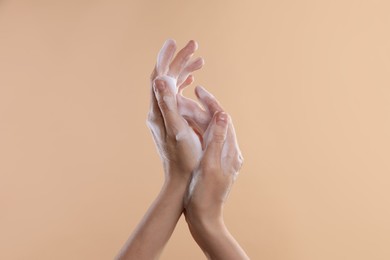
(215, 240)
(156, 227)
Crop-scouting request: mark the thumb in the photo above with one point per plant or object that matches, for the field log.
(215, 137)
(166, 100)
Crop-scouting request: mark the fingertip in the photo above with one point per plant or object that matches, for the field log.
(197, 88)
(198, 63)
(222, 118)
(165, 55)
(186, 83)
(193, 44)
(169, 42)
(170, 46)
(196, 91)
(200, 92)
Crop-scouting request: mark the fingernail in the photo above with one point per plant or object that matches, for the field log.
(159, 85)
(193, 44)
(222, 119)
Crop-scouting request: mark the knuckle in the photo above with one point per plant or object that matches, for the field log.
(238, 163)
(213, 104)
(166, 102)
(235, 160)
(219, 138)
(209, 101)
(241, 159)
(162, 104)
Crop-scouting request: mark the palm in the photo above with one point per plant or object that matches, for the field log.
(178, 73)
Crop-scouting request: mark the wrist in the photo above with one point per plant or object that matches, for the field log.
(205, 221)
(176, 175)
(175, 185)
(206, 232)
(214, 238)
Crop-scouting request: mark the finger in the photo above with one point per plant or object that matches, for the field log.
(188, 81)
(154, 109)
(196, 128)
(208, 100)
(190, 109)
(190, 67)
(215, 138)
(231, 152)
(165, 56)
(166, 99)
(155, 119)
(240, 157)
(181, 59)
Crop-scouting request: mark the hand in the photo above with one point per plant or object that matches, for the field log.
(177, 142)
(200, 118)
(212, 179)
(183, 132)
(209, 188)
(178, 146)
(208, 195)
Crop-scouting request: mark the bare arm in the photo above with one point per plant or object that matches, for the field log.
(156, 227)
(179, 149)
(211, 183)
(201, 158)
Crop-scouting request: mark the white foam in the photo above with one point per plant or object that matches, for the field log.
(194, 139)
(171, 83)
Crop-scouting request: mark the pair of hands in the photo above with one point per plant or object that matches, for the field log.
(194, 144)
(201, 159)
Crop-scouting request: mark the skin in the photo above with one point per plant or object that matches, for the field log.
(200, 156)
(208, 191)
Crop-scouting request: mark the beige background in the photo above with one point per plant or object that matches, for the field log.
(307, 84)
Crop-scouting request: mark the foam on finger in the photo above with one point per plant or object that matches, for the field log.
(165, 56)
(171, 82)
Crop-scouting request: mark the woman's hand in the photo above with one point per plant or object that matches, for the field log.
(177, 142)
(208, 192)
(179, 148)
(191, 141)
(212, 180)
(209, 189)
